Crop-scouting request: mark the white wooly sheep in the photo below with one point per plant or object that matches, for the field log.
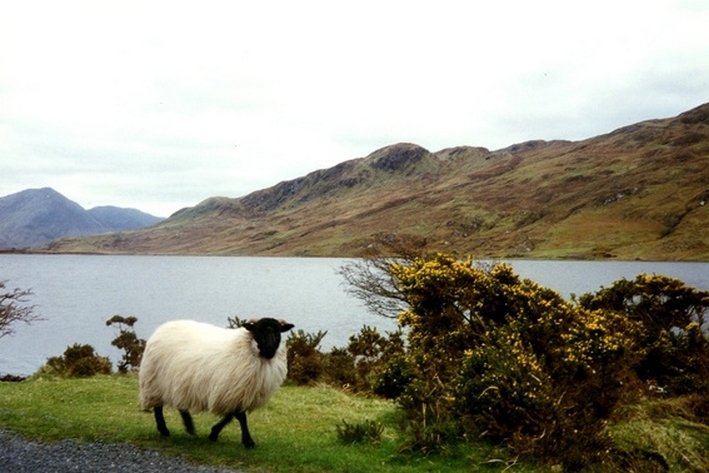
(195, 366)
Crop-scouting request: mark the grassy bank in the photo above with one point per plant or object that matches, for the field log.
(296, 431)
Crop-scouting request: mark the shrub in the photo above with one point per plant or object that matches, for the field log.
(78, 361)
(356, 367)
(393, 376)
(234, 322)
(305, 362)
(371, 353)
(339, 369)
(367, 431)
(490, 354)
(127, 340)
(675, 353)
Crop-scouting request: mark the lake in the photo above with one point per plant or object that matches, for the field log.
(76, 294)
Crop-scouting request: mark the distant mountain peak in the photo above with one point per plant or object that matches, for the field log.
(698, 114)
(396, 157)
(34, 217)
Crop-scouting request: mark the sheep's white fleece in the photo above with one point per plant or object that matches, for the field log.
(200, 367)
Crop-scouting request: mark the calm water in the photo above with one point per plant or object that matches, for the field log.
(77, 294)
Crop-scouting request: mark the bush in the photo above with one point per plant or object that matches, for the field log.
(493, 355)
(305, 362)
(675, 351)
(357, 367)
(127, 340)
(393, 376)
(367, 431)
(78, 361)
(339, 369)
(371, 354)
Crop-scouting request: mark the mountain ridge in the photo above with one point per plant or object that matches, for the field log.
(35, 217)
(637, 192)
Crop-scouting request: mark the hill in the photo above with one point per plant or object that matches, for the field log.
(35, 217)
(120, 218)
(639, 192)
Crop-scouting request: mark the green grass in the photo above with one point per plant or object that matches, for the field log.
(295, 432)
(667, 427)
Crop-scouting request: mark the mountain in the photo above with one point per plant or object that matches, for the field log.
(119, 218)
(35, 217)
(641, 191)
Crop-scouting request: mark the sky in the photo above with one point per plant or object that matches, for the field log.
(159, 105)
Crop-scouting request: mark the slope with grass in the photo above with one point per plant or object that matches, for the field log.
(640, 192)
(296, 430)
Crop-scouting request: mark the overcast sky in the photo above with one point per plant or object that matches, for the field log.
(157, 105)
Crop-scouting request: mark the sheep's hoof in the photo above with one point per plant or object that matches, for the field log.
(249, 443)
(164, 432)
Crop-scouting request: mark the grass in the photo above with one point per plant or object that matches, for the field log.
(297, 430)
(668, 427)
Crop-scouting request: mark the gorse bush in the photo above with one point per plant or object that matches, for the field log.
(370, 352)
(497, 356)
(305, 362)
(491, 355)
(358, 367)
(78, 361)
(675, 351)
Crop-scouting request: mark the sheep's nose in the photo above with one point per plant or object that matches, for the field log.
(269, 345)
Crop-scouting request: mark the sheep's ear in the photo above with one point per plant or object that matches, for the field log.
(249, 325)
(285, 326)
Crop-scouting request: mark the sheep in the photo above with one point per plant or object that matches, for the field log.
(195, 366)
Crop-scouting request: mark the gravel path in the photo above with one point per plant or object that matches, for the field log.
(19, 455)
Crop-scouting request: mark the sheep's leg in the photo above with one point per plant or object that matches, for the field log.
(245, 435)
(187, 420)
(160, 420)
(217, 428)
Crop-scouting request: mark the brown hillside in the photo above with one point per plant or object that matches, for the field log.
(641, 191)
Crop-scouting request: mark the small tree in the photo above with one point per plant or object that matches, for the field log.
(370, 279)
(13, 309)
(132, 346)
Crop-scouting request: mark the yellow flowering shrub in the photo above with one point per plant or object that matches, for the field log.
(493, 354)
(670, 314)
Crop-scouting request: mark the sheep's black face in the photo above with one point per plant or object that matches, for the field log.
(267, 333)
